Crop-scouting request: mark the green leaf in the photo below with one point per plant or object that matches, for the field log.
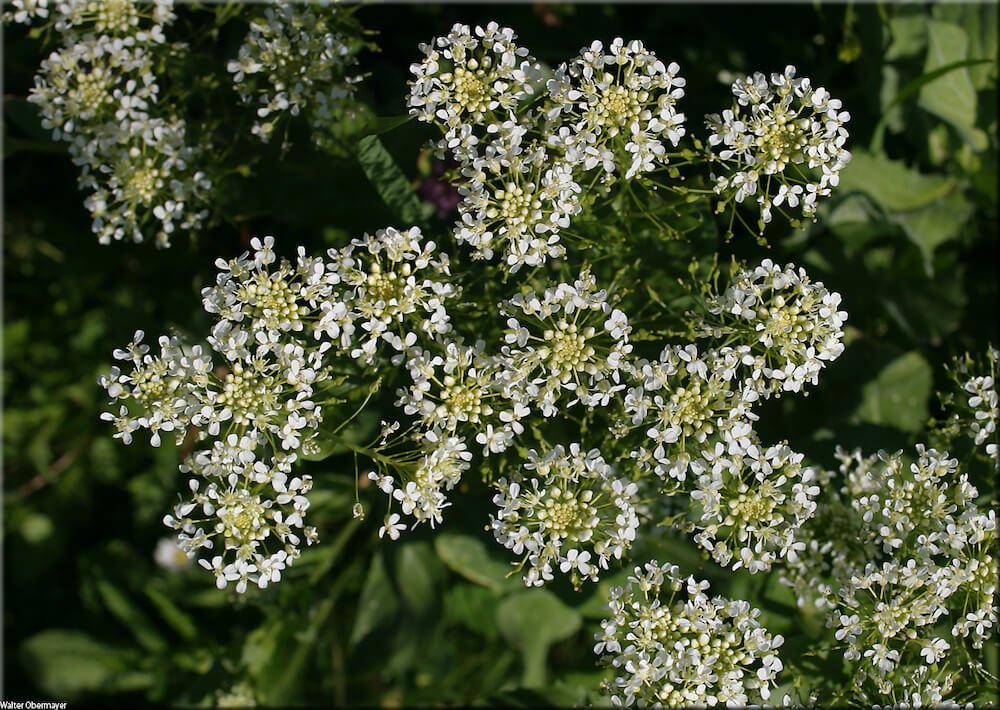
(932, 226)
(389, 180)
(951, 97)
(893, 186)
(468, 557)
(377, 602)
(182, 623)
(474, 607)
(130, 615)
(532, 621)
(979, 20)
(66, 664)
(898, 396)
(416, 565)
(909, 36)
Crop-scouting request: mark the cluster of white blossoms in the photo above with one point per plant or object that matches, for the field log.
(293, 61)
(419, 481)
(915, 575)
(471, 78)
(982, 403)
(683, 402)
(258, 408)
(516, 200)
(791, 325)
(749, 505)
(782, 143)
(391, 288)
(614, 108)
(99, 93)
(570, 511)
(568, 342)
(670, 645)
(254, 393)
(523, 152)
(458, 392)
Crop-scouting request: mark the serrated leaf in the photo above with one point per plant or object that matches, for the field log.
(377, 602)
(951, 97)
(898, 396)
(468, 557)
(388, 180)
(532, 621)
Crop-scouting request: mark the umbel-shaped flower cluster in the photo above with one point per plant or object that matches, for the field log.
(671, 645)
(905, 564)
(531, 151)
(569, 511)
(253, 397)
(116, 90)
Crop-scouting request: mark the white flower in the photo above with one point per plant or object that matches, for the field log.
(569, 511)
(672, 648)
(294, 61)
(774, 126)
(392, 527)
(615, 108)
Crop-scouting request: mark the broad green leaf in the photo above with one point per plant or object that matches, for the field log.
(951, 97)
(892, 185)
(474, 607)
(416, 564)
(389, 180)
(979, 20)
(66, 664)
(932, 226)
(532, 621)
(377, 603)
(468, 557)
(909, 36)
(898, 396)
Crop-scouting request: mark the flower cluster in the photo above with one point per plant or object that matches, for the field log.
(615, 108)
(671, 645)
(982, 403)
(569, 511)
(774, 141)
(470, 77)
(750, 503)
(791, 325)
(516, 200)
(458, 391)
(99, 93)
(293, 61)
(918, 575)
(419, 480)
(392, 288)
(276, 323)
(523, 152)
(568, 340)
(683, 402)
